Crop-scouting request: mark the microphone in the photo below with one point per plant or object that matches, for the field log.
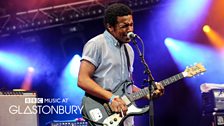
(131, 35)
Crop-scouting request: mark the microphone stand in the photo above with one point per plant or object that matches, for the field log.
(150, 80)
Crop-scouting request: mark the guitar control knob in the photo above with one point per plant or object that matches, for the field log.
(111, 122)
(115, 119)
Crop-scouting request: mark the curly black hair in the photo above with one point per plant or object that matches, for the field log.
(113, 11)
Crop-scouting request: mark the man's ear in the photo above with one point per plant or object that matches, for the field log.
(110, 28)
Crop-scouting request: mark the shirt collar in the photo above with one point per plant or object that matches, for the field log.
(111, 38)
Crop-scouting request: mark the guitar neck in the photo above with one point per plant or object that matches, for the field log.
(143, 92)
(172, 79)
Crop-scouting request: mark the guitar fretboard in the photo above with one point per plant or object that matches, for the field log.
(143, 92)
(172, 79)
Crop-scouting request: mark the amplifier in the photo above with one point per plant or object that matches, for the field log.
(12, 103)
(218, 119)
(212, 119)
(213, 101)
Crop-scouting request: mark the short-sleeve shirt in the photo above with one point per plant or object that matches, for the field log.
(110, 60)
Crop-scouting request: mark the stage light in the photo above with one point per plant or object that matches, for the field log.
(189, 17)
(68, 81)
(76, 15)
(71, 16)
(206, 28)
(83, 14)
(50, 20)
(44, 22)
(190, 53)
(88, 13)
(14, 27)
(27, 82)
(74, 65)
(182, 52)
(169, 42)
(30, 69)
(215, 38)
(100, 11)
(13, 62)
(73, 29)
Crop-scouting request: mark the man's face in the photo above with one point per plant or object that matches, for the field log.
(120, 30)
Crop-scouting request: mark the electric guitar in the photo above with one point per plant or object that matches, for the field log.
(98, 112)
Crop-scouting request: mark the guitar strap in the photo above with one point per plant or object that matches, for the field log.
(128, 59)
(128, 62)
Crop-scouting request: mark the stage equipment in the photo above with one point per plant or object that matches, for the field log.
(213, 103)
(13, 106)
(59, 15)
(218, 118)
(212, 97)
(76, 122)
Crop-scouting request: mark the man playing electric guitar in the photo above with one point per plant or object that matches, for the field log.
(106, 65)
(98, 111)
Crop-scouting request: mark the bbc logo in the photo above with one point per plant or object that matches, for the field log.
(34, 100)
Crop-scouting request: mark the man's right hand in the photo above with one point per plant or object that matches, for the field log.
(118, 105)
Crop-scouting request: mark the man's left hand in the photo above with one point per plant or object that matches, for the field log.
(159, 91)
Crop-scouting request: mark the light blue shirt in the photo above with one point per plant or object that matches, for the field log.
(109, 58)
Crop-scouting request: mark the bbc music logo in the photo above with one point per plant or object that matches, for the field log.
(34, 100)
(45, 100)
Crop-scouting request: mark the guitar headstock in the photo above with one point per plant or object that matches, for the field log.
(194, 70)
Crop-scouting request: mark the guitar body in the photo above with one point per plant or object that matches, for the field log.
(99, 111)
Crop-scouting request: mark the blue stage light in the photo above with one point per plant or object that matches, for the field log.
(190, 53)
(13, 62)
(68, 82)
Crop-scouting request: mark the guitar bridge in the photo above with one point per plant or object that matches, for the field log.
(107, 108)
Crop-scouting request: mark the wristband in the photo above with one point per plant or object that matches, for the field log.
(112, 98)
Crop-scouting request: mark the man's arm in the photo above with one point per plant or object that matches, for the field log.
(86, 82)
